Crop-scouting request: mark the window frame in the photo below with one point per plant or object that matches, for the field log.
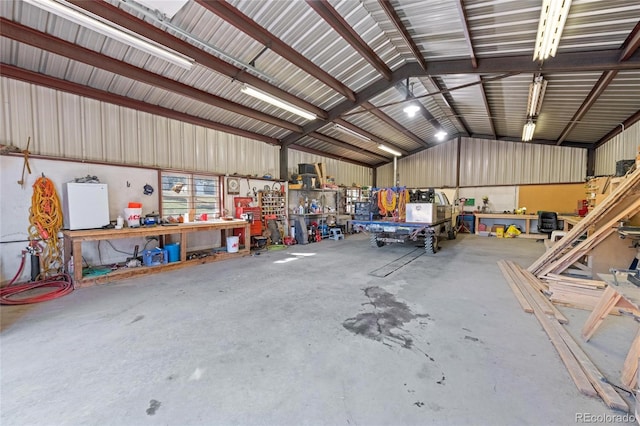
(194, 199)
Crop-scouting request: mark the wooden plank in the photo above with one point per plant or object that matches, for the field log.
(630, 368)
(595, 377)
(526, 290)
(561, 264)
(608, 300)
(595, 215)
(514, 288)
(528, 278)
(568, 359)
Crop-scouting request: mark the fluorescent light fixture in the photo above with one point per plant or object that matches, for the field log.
(411, 110)
(440, 135)
(390, 150)
(92, 22)
(248, 90)
(552, 18)
(527, 131)
(536, 93)
(351, 132)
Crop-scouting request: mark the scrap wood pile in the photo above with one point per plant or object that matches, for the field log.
(529, 290)
(542, 284)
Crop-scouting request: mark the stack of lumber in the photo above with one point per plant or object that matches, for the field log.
(528, 291)
(621, 204)
(580, 293)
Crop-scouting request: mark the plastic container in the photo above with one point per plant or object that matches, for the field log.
(132, 216)
(135, 205)
(233, 244)
(174, 251)
(154, 257)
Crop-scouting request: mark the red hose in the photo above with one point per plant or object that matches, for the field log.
(61, 284)
(24, 255)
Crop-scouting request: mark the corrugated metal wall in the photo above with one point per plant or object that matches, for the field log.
(434, 167)
(70, 126)
(485, 162)
(621, 147)
(490, 162)
(343, 172)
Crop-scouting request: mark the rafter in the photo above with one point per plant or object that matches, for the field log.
(348, 146)
(103, 96)
(397, 21)
(618, 129)
(337, 22)
(487, 108)
(433, 121)
(631, 44)
(245, 24)
(371, 136)
(130, 22)
(61, 47)
(601, 85)
(465, 29)
(393, 123)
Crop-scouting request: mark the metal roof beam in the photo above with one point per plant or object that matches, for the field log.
(406, 93)
(487, 108)
(618, 129)
(348, 146)
(245, 24)
(395, 19)
(467, 34)
(393, 123)
(338, 23)
(601, 85)
(130, 22)
(328, 155)
(75, 52)
(371, 136)
(631, 44)
(27, 76)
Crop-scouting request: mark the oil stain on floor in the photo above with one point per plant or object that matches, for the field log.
(385, 323)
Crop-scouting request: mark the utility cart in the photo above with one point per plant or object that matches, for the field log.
(425, 221)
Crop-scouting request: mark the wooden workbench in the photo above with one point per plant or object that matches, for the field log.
(73, 247)
(527, 218)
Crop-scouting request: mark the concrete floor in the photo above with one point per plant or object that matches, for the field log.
(302, 336)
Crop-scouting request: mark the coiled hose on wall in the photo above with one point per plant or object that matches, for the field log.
(45, 221)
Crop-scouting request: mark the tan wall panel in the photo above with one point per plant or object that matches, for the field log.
(562, 198)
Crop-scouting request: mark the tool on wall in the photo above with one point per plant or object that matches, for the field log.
(25, 153)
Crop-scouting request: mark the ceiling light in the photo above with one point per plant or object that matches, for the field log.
(390, 150)
(536, 93)
(248, 90)
(440, 135)
(92, 22)
(527, 131)
(552, 18)
(353, 133)
(411, 110)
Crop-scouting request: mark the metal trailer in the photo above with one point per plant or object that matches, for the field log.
(385, 232)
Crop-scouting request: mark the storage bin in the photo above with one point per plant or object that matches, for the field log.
(154, 257)
(306, 169)
(174, 251)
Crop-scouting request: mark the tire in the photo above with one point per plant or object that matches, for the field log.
(373, 240)
(380, 243)
(431, 244)
(452, 234)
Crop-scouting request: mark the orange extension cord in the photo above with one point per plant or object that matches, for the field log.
(45, 221)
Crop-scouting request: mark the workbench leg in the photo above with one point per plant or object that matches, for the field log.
(183, 246)
(630, 368)
(607, 301)
(77, 262)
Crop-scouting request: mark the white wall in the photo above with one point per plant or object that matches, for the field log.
(125, 184)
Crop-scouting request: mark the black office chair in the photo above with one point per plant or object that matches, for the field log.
(547, 223)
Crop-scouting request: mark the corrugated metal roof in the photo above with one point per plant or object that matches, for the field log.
(497, 29)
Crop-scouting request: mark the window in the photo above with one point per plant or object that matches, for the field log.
(190, 193)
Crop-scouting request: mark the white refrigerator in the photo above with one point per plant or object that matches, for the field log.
(85, 205)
